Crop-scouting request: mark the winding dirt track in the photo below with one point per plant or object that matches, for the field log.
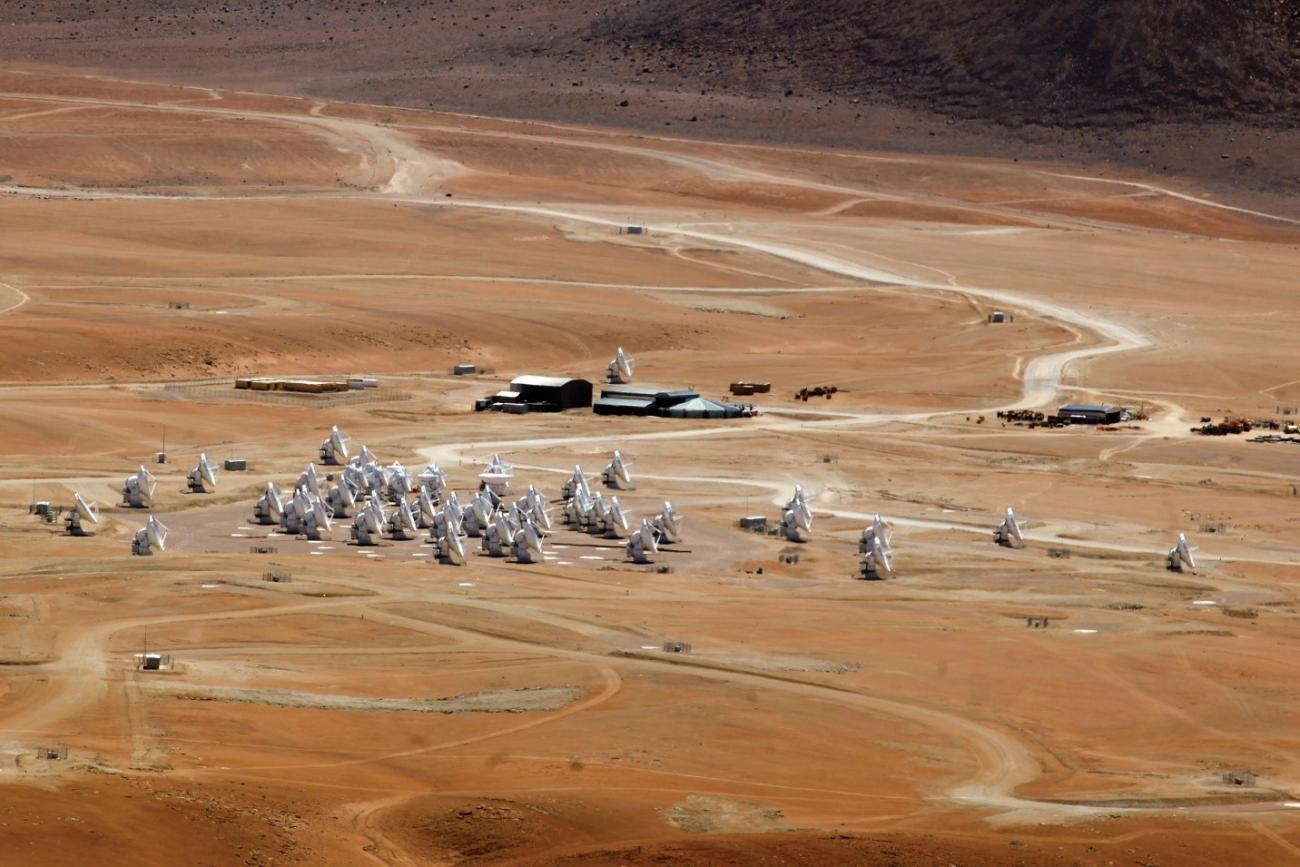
(79, 677)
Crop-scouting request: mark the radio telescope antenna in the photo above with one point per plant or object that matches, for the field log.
(643, 543)
(616, 526)
(1008, 533)
(334, 451)
(668, 524)
(309, 479)
(153, 535)
(619, 370)
(527, 544)
(137, 491)
(797, 519)
(83, 512)
(202, 479)
(1182, 554)
(616, 474)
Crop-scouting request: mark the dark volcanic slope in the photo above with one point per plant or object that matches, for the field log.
(1011, 61)
(1209, 88)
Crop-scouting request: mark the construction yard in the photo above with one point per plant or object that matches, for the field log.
(1067, 702)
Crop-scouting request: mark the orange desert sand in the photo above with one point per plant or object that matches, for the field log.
(384, 708)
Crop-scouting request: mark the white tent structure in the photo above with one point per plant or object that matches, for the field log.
(269, 508)
(137, 491)
(1008, 533)
(668, 524)
(496, 476)
(152, 536)
(1181, 555)
(643, 543)
(619, 370)
(203, 478)
(334, 451)
(617, 473)
(84, 512)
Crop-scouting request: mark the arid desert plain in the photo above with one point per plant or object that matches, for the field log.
(380, 707)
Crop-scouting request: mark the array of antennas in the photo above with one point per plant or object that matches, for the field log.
(588, 511)
(619, 370)
(365, 489)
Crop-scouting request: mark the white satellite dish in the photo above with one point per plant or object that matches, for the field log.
(668, 524)
(496, 476)
(619, 370)
(1182, 555)
(451, 549)
(310, 480)
(574, 483)
(137, 491)
(877, 560)
(616, 526)
(527, 544)
(368, 525)
(83, 512)
(426, 511)
(433, 480)
(399, 481)
(334, 451)
(343, 497)
(797, 519)
(643, 543)
(1008, 533)
(616, 474)
(203, 478)
(269, 507)
(319, 520)
(153, 535)
(877, 529)
(402, 524)
(497, 537)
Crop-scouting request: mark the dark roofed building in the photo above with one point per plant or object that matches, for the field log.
(1089, 413)
(552, 393)
(623, 406)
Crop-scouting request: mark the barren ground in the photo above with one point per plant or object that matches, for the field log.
(383, 708)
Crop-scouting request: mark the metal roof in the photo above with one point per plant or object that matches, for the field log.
(1088, 407)
(636, 402)
(544, 381)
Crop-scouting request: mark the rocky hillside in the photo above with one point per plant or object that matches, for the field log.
(1010, 61)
